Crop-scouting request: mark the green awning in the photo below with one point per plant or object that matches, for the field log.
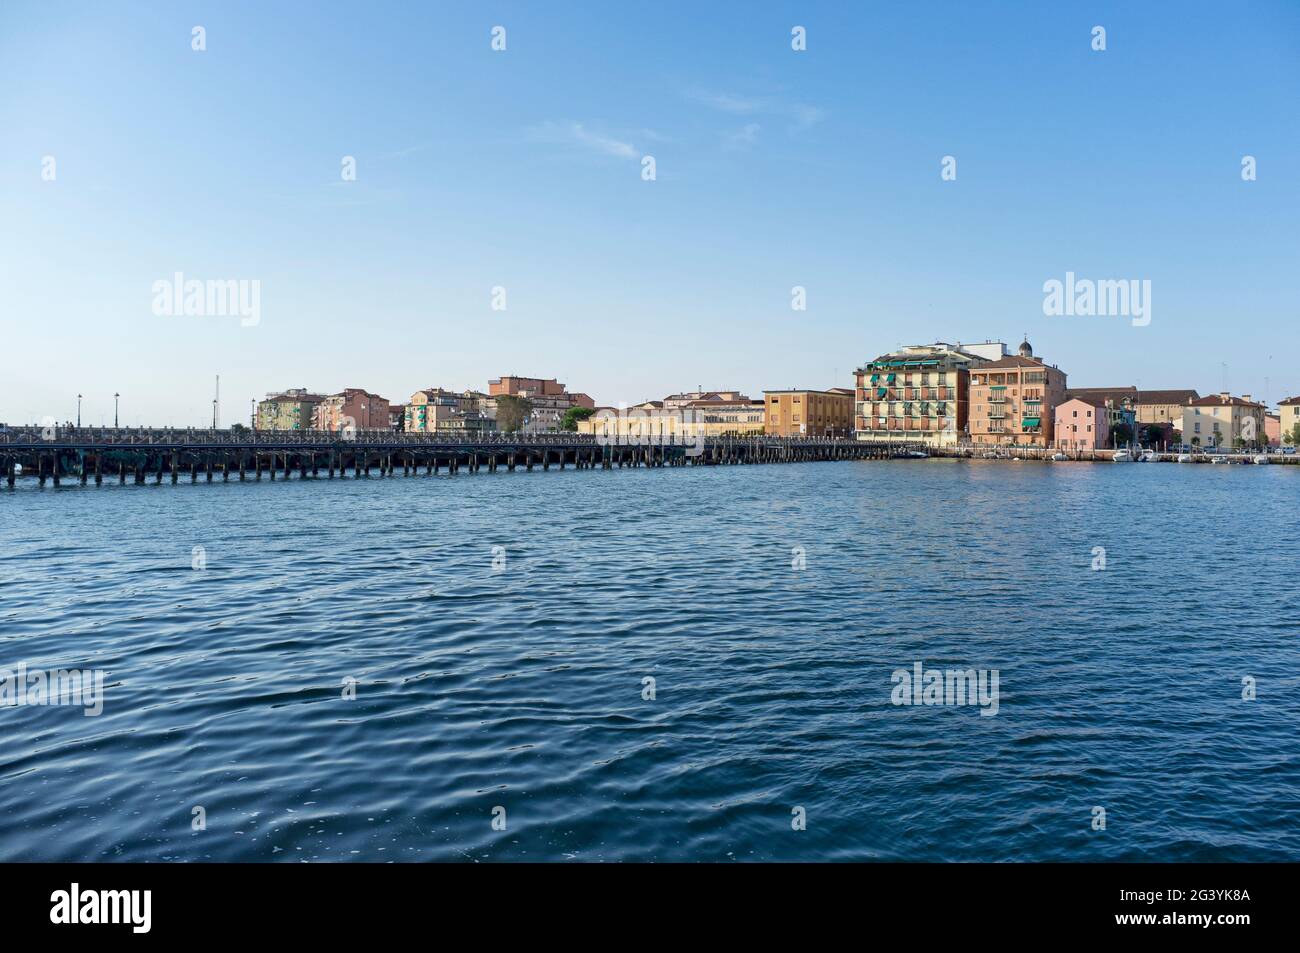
(874, 378)
(1032, 421)
(881, 391)
(889, 379)
(997, 387)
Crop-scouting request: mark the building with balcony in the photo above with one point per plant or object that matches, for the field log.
(1013, 401)
(919, 394)
(292, 409)
(1222, 421)
(808, 413)
(352, 407)
(435, 410)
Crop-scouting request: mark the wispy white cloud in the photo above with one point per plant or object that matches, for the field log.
(726, 102)
(801, 114)
(576, 133)
(743, 138)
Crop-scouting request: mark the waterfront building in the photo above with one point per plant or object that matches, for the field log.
(919, 394)
(352, 407)
(1221, 420)
(436, 410)
(1164, 406)
(1273, 429)
(808, 413)
(291, 409)
(1013, 400)
(722, 416)
(727, 414)
(1289, 413)
(1120, 404)
(397, 416)
(549, 398)
(1082, 423)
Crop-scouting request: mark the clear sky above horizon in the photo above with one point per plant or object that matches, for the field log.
(522, 169)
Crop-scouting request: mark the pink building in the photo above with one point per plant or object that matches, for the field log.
(1081, 424)
(1273, 429)
(352, 407)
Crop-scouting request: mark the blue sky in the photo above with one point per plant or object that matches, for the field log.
(521, 169)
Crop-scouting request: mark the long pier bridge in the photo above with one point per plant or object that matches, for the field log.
(97, 454)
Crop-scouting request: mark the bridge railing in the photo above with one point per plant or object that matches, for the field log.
(143, 437)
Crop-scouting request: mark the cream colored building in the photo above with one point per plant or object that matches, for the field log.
(1289, 412)
(733, 415)
(1221, 420)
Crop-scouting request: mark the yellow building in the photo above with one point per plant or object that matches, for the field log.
(809, 413)
(292, 409)
(1289, 412)
(1224, 421)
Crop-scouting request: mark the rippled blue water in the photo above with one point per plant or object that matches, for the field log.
(522, 688)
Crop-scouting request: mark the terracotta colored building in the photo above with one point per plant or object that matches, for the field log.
(1082, 423)
(352, 407)
(548, 397)
(808, 413)
(1013, 401)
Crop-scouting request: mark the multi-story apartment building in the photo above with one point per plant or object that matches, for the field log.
(548, 397)
(1013, 401)
(292, 409)
(352, 407)
(1164, 406)
(918, 394)
(1221, 420)
(1082, 423)
(808, 413)
(435, 410)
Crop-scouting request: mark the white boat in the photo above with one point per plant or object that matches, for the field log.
(1217, 458)
(1184, 458)
(18, 469)
(1060, 456)
(1121, 456)
(1262, 458)
(1148, 456)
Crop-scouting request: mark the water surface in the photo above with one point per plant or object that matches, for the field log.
(514, 677)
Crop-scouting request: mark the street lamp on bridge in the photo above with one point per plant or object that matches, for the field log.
(78, 411)
(115, 397)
